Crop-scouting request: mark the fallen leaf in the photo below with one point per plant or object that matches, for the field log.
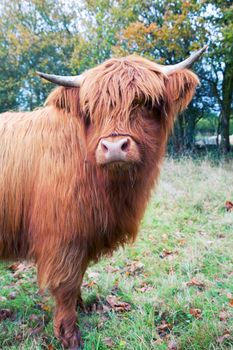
(118, 305)
(172, 345)
(89, 284)
(19, 337)
(109, 342)
(12, 295)
(19, 267)
(164, 329)
(36, 330)
(134, 268)
(223, 315)
(14, 267)
(144, 288)
(102, 322)
(226, 335)
(182, 241)
(221, 235)
(171, 270)
(195, 282)
(93, 275)
(164, 326)
(50, 347)
(111, 269)
(167, 254)
(231, 302)
(46, 308)
(5, 313)
(229, 206)
(34, 317)
(37, 325)
(195, 312)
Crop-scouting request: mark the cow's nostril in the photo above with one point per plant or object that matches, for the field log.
(104, 147)
(125, 145)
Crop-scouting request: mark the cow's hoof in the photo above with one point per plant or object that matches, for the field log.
(71, 340)
(80, 305)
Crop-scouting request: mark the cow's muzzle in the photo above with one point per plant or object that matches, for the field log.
(117, 149)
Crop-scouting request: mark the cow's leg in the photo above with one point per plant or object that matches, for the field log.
(65, 318)
(80, 303)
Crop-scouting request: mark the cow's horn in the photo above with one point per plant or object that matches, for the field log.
(186, 63)
(68, 81)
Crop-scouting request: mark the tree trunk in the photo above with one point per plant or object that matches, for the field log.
(225, 131)
(178, 135)
(227, 94)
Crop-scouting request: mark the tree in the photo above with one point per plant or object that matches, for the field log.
(167, 32)
(171, 30)
(34, 35)
(220, 77)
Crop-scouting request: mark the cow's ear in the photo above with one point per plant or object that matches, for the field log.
(180, 88)
(66, 99)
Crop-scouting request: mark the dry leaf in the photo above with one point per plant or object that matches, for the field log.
(46, 308)
(164, 326)
(117, 305)
(195, 312)
(102, 322)
(5, 313)
(19, 267)
(89, 284)
(111, 269)
(226, 335)
(14, 267)
(12, 295)
(231, 302)
(50, 347)
(172, 345)
(171, 270)
(34, 317)
(167, 254)
(109, 342)
(144, 288)
(229, 206)
(224, 315)
(36, 330)
(93, 275)
(182, 241)
(19, 337)
(195, 282)
(134, 268)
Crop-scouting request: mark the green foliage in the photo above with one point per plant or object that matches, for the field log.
(71, 37)
(34, 36)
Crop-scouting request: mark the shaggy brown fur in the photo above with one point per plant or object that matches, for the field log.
(56, 205)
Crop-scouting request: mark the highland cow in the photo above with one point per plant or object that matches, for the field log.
(76, 175)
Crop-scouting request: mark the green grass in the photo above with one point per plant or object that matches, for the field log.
(186, 233)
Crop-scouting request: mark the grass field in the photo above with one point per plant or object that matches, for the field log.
(173, 289)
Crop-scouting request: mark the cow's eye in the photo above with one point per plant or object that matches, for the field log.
(149, 104)
(87, 120)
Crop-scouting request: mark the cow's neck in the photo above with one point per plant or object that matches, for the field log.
(119, 202)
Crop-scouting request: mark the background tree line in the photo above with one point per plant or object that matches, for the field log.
(68, 37)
